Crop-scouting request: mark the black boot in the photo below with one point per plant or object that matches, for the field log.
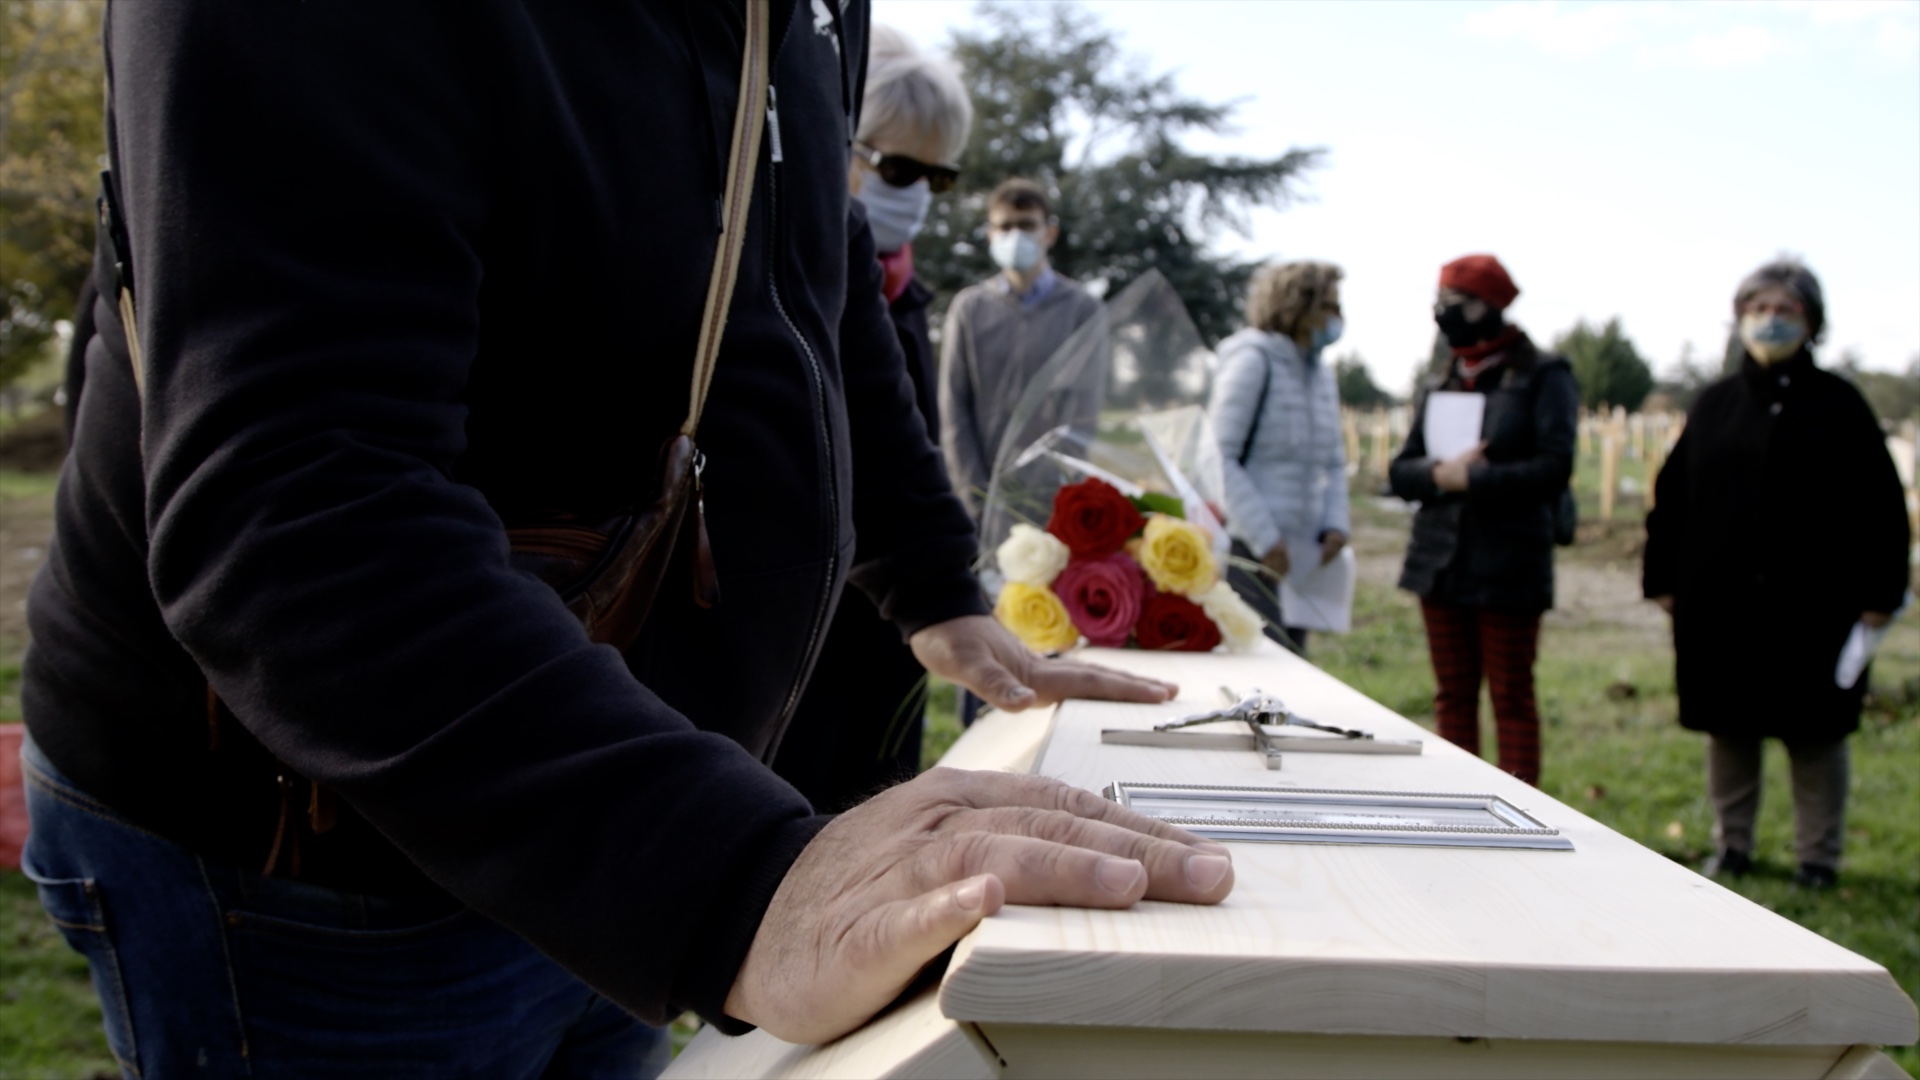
(1816, 876)
(1728, 863)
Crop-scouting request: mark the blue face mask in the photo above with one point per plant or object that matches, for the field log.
(1329, 333)
(1772, 338)
(894, 214)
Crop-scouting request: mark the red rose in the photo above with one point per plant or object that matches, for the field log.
(1093, 519)
(1175, 623)
(1103, 597)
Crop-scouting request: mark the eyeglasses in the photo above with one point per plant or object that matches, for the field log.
(902, 171)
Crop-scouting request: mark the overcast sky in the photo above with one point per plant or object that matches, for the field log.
(1629, 159)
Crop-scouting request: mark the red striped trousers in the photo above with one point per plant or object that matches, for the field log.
(1468, 643)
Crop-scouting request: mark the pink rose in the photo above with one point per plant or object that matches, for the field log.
(1103, 596)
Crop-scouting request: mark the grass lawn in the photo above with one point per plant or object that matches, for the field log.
(1611, 747)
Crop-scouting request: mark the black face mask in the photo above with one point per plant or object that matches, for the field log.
(1460, 331)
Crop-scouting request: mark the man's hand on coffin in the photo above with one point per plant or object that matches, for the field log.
(890, 884)
(983, 656)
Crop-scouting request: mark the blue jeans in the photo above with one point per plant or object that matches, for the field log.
(204, 969)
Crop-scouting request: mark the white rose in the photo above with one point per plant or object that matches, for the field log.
(1240, 626)
(1032, 556)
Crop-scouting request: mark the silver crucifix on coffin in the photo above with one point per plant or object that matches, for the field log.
(1258, 712)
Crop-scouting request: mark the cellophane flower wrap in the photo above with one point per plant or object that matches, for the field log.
(1107, 489)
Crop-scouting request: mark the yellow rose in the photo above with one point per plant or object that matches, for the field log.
(1178, 556)
(1035, 616)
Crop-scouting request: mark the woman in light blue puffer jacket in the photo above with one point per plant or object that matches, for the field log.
(1276, 411)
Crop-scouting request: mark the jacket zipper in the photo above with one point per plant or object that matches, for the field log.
(820, 409)
(773, 124)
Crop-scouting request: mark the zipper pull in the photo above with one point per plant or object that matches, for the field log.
(773, 123)
(706, 580)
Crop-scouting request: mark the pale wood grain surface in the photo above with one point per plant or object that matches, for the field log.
(913, 1040)
(916, 1041)
(1002, 741)
(1346, 961)
(1608, 942)
(1065, 1052)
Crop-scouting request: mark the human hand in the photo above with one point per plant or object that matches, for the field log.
(1875, 620)
(1455, 474)
(1665, 602)
(890, 884)
(1277, 560)
(1330, 546)
(983, 656)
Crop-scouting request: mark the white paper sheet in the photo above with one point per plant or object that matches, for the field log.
(1861, 644)
(1855, 653)
(1316, 597)
(1453, 423)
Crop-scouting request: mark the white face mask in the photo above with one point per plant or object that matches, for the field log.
(1772, 338)
(1015, 249)
(895, 214)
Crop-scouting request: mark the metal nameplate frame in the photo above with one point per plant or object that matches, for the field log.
(1339, 816)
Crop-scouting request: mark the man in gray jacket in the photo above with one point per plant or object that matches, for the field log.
(1000, 334)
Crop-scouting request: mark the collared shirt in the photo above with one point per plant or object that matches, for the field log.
(1035, 293)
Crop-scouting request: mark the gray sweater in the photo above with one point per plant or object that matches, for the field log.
(1294, 482)
(991, 350)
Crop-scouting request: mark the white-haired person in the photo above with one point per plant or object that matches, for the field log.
(864, 708)
(1779, 527)
(1276, 411)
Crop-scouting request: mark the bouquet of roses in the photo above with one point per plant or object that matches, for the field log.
(1119, 571)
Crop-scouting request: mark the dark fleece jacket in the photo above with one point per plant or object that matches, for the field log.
(403, 275)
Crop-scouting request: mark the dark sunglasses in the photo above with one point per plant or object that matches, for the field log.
(902, 171)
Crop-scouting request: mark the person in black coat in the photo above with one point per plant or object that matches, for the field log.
(1481, 556)
(859, 725)
(359, 793)
(1778, 524)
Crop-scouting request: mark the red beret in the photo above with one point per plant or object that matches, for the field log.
(1481, 276)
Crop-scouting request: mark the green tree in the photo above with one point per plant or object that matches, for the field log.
(1357, 388)
(1689, 375)
(1055, 101)
(51, 141)
(1894, 396)
(1610, 370)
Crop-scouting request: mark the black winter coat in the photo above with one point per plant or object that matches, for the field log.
(396, 282)
(1492, 546)
(859, 725)
(1777, 521)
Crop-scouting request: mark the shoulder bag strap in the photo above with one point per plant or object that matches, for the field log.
(742, 159)
(1259, 408)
